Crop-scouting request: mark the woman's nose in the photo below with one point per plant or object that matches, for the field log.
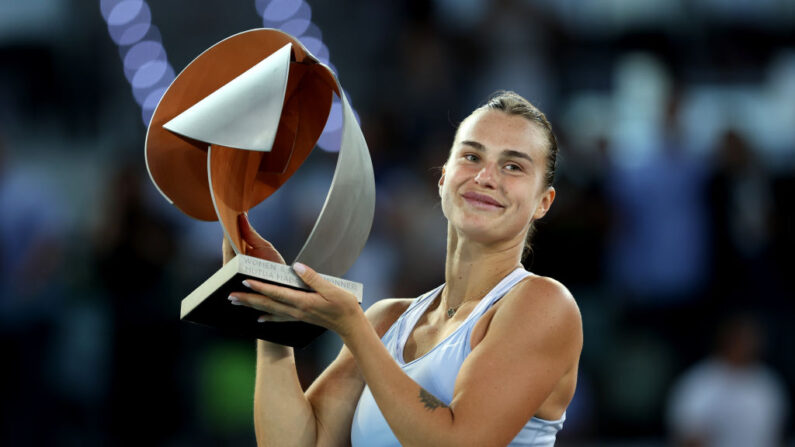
(485, 177)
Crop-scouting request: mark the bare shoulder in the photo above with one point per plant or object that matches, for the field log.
(383, 313)
(541, 308)
(531, 339)
(542, 293)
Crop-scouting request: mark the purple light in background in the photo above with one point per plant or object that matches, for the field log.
(313, 44)
(149, 73)
(331, 137)
(334, 121)
(144, 59)
(330, 140)
(280, 10)
(152, 34)
(106, 6)
(296, 27)
(323, 53)
(125, 11)
(141, 93)
(141, 53)
(304, 12)
(131, 34)
(150, 103)
(129, 21)
(312, 31)
(295, 18)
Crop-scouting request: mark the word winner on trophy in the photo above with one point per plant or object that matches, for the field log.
(230, 130)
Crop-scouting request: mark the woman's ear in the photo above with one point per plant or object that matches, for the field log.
(545, 203)
(441, 181)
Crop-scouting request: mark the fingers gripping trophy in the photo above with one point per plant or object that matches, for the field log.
(230, 130)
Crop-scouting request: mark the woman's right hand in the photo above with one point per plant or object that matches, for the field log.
(256, 245)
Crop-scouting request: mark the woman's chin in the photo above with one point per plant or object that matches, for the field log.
(485, 230)
(482, 232)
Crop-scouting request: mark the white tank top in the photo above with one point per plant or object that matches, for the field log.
(436, 371)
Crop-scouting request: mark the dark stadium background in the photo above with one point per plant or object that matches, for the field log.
(674, 208)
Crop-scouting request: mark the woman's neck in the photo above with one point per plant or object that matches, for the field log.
(472, 269)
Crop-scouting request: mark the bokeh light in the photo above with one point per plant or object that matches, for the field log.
(146, 65)
(144, 58)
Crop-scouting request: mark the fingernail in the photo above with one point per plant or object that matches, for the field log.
(262, 319)
(245, 283)
(299, 268)
(234, 300)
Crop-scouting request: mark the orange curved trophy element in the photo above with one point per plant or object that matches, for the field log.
(210, 181)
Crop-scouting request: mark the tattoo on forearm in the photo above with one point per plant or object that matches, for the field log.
(430, 401)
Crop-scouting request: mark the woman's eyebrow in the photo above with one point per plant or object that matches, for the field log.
(517, 154)
(475, 145)
(506, 153)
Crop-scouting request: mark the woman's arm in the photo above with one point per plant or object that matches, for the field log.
(286, 416)
(532, 342)
(283, 414)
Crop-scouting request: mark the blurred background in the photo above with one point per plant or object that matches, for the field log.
(673, 223)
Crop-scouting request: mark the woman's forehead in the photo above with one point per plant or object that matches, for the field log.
(497, 130)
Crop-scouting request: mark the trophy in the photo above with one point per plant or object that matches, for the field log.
(230, 130)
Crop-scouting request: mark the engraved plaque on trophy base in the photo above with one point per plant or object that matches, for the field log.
(209, 303)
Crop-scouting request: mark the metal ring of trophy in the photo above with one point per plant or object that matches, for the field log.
(238, 121)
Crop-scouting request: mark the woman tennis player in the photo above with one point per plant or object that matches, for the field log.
(489, 358)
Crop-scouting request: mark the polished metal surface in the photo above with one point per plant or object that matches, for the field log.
(344, 223)
(244, 113)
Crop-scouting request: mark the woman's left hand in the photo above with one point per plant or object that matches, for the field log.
(329, 306)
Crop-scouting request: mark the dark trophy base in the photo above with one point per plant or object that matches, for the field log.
(209, 304)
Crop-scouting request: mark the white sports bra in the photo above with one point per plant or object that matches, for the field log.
(436, 371)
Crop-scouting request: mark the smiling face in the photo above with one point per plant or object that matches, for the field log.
(493, 185)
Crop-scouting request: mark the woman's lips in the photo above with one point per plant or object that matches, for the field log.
(481, 201)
